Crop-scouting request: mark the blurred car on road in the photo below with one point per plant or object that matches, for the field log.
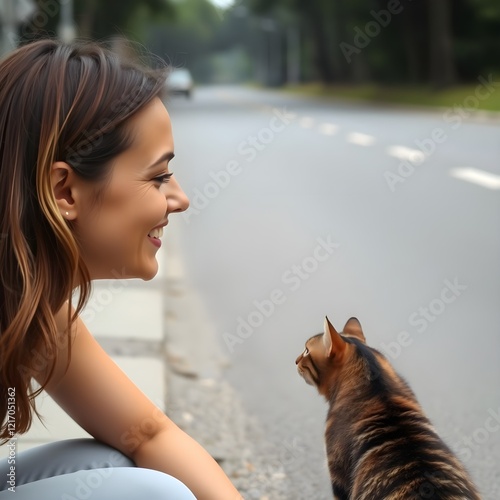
(180, 81)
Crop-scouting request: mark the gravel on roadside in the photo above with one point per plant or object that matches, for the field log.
(210, 411)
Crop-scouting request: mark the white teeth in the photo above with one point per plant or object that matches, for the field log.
(156, 233)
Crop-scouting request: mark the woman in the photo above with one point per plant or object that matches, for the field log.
(85, 191)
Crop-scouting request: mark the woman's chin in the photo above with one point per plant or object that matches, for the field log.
(149, 273)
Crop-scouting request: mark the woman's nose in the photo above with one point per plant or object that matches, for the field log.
(177, 198)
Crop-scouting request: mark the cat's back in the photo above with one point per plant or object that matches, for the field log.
(395, 451)
(380, 445)
(398, 455)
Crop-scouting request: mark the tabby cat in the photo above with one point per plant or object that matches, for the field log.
(379, 443)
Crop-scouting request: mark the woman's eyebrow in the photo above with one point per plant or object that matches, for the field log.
(165, 157)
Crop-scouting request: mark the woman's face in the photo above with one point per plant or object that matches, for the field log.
(119, 236)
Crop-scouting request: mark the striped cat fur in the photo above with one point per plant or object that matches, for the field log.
(379, 443)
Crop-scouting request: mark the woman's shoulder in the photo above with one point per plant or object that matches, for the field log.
(62, 316)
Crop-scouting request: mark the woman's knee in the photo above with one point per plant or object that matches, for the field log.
(125, 483)
(156, 485)
(132, 483)
(65, 457)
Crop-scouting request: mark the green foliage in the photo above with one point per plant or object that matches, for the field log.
(414, 96)
(199, 17)
(187, 40)
(409, 49)
(209, 40)
(486, 10)
(103, 18)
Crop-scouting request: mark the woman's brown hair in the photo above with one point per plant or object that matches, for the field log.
(58, 102)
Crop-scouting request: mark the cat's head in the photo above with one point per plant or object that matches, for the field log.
(327, 354)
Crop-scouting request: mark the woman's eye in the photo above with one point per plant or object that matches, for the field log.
(306, 351)
(163, 178)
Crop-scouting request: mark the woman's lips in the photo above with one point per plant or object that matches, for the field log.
(155, 241)
(155, 235)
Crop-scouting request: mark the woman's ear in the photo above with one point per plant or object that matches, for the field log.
(63, 181)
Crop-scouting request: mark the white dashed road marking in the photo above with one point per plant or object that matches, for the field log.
(306, 122)
(328, 129)
(405, 153)
(476, 176)
(361, 139)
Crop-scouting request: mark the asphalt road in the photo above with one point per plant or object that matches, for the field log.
(301, 208)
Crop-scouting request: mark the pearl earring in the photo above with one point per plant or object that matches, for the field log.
(67, 213)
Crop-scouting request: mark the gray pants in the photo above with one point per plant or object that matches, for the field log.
(80, 469)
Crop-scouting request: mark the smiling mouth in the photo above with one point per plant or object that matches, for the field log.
(156, 233)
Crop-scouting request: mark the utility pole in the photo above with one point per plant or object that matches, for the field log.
(272, 50)
(66, 29)
(442, 64)
(7, 14)
(293, 54)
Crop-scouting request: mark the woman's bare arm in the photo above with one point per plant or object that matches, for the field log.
(106, 403)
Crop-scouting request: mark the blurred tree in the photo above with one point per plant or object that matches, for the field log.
(98, 19)
(420, 43)
(189, 40)
(488, 10)
(441, 60)
(476, 25)
(427, 41)
(44, 22)
(314, 22)
(318, 22)
(102, 18)
(412, 30)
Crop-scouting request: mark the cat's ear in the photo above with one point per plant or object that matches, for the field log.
(353, 328)
(332, 341)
